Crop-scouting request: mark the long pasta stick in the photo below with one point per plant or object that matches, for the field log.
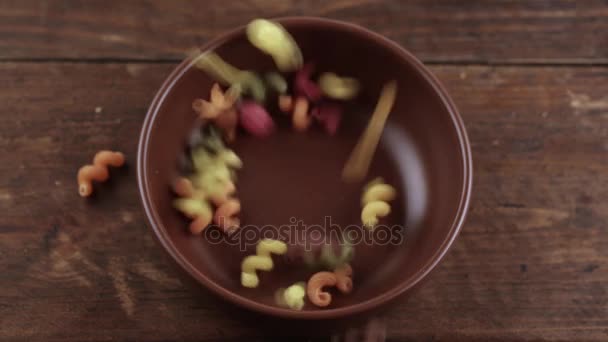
(360, 158)
(216, 66)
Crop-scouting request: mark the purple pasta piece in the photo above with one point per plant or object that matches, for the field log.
(329, 115)
(255, 119)
(304, 86)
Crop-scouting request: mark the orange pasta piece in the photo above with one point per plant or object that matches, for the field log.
(200, 223)
(220, 109)
(183, 187)
(224, 215)
(344, 275)
(98, 171)
(340, 278)
(315, 285)
(285, 103)
(301, 119)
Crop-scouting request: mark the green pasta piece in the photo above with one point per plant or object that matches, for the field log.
(276, 82)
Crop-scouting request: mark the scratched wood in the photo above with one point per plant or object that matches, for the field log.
(562, 31)
(531, 262)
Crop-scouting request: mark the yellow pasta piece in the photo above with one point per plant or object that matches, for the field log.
(267, 246)
(214, 173)
(378, 192)
(272, 39)
(261, 261)
(220, 162)
(212, 181)
(250, 265)
(375, 198)
(192, 207)
(372, 210)
(336, 87)
(292, 297)
(230, 158)
(215, 66)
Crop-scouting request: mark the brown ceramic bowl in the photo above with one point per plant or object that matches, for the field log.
(424, 153)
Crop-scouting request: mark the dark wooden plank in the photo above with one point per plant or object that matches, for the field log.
(531, 263)
(561, 31)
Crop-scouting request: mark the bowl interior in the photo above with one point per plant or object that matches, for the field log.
(292, 177)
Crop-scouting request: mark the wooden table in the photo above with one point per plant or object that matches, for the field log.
(530, 79)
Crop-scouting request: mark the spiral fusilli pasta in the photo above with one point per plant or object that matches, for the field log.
(340, 278)
(220, 109)
(98, 171)
(192, 204)
(375, 200)
(262, 261)
(225, 215)
(211, 182)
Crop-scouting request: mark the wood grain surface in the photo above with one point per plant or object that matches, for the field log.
(480, 31)
(530, 264)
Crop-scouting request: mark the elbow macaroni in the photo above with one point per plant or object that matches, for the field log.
(261, 261)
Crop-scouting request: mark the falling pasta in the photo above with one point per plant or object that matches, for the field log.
(341, 278)
(374, 200)
(261, 261)
(292, 297)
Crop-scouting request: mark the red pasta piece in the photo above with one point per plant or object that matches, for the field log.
(304, 86)
(329, 115)
(255, 119)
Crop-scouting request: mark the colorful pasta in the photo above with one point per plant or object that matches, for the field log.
(207, 191)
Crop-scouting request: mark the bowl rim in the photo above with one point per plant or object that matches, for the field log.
(331, 313)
